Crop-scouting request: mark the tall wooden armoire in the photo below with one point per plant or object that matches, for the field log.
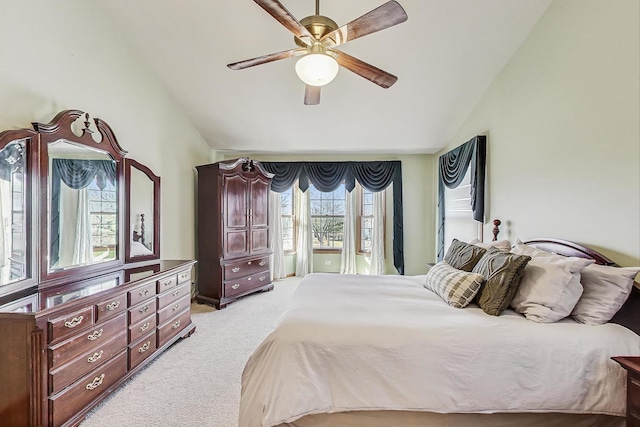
(233, 231)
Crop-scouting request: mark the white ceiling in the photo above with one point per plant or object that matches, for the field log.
(445, 56)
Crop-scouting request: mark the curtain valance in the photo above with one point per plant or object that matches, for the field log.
(327, 176)
(453, 166)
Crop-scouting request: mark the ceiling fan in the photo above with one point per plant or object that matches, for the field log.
(317, 36)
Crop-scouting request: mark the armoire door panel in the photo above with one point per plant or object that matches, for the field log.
(236, 243)
(259, 195)
(259, 239)
(235, 201)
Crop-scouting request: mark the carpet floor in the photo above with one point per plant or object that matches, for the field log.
(197, 381)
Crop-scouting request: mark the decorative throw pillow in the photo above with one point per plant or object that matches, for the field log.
(502, 272)
(503, 245)
(550, 286)
(605, 290)
(463, 256)
(457, 288)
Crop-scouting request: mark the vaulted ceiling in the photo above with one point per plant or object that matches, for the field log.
(445, 56)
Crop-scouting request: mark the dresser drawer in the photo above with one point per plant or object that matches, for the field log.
(70, 324)
(166, 283)
(75, 397)
(66, 374)
(174, 308)
(173, 295)
(141, 311)
(79, 344)
(173, 327)
(244, 284)
(184, 276)
(142, 328)
(111, 307)
(140, 294)
(243, 268)
(142, 349)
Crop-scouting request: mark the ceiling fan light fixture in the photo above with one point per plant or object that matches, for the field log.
(317, 69)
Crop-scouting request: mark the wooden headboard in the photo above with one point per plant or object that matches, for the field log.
(139, 237)
(629, 315)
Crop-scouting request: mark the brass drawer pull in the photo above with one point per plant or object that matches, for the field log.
(73, 322)
(262, 263)
(144, 309)
(113, 305)
(95, 383)
(95, 357)
(176, 293)
(235, 269)
(262, 278)
(144, 327)
(145, 347)
(249, 263)
(184, 276)
(176, 325)
(236, 286)
(166, 283)
(176, 307)
(248, 278)
(143, 293)
(95, 335)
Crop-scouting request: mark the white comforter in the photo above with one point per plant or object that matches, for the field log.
(351, 343)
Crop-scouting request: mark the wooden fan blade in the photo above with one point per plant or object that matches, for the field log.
(368, 71)
(282, 15)
(385, 16)
(265, 59)
(312, 95)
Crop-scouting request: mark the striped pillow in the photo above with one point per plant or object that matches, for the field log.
(457, 288)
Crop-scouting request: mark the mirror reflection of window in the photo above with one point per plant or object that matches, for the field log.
(83, 206)
(12, 213)
(141, 205)
(459, 222)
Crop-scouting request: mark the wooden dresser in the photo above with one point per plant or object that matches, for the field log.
(64, 350)
(233, 231)
(632, 365)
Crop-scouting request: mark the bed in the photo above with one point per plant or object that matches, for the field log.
(384, 351)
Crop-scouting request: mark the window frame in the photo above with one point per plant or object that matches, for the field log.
(336, 251)
(294, 220)
(360, 192)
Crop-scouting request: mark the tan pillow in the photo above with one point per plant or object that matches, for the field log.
(457, 288)
(502, 272)
(463, 256)
(503, 245)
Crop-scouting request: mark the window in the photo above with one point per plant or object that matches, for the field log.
(327, 218)
(102, 209)
(459, 222)
(364, 232)
(288, 221)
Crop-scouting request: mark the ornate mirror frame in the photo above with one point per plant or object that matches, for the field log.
(30, 139)
(61, 128)
(131, 164)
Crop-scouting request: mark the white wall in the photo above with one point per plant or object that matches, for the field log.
(563, 128)
(417, 199)
(64, 55)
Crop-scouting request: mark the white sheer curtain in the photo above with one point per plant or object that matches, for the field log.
(75, 226)
(304, 244)
(5, 225)
(275, 219)
(348, 256)
(377, 238)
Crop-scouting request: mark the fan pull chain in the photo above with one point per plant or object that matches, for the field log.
(317, 7)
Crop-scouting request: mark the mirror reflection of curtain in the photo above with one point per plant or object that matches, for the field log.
(5, 226)
(74, 174)
(75, 225)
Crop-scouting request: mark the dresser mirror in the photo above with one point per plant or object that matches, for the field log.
(15, 214)
(81, 169)
(142, 188)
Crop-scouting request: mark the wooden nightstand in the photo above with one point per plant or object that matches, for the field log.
(632, 365)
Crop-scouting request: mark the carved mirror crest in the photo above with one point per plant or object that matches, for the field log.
(142, 186)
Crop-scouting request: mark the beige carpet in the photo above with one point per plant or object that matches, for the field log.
(197, 381)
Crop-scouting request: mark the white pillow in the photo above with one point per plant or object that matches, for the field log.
(503, 245)
(456, 287)
(138, 249)
(550, 286)
(605, 290)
